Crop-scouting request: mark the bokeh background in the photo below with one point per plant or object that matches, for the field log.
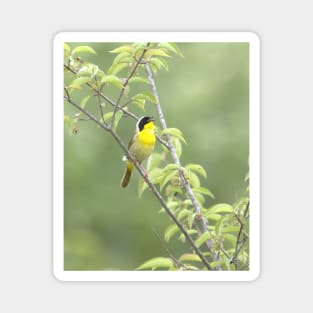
(206, 95)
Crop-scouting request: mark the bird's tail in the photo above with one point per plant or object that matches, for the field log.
(127, 175)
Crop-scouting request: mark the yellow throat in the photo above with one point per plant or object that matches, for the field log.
(147, 135)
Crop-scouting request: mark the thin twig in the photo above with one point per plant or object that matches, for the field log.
(241, 230)
(84, 119)
(126, 82)
(126, 104)
(144, 176)
(175, 260)
(99, 100)
(91, 116)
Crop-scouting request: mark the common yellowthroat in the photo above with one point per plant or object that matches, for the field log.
(140, 146)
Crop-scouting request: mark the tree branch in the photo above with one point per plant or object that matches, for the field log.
(143, 175)
(186, 185)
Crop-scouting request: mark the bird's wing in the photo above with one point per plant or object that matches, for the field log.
(131, 141)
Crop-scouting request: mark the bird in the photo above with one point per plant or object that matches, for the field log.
(140, 146)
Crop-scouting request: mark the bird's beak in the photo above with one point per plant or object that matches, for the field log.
(151, 119)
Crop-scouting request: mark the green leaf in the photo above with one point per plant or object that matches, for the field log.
(156, 63)
(191, 218)
(170, 190)
(158, 262)
(230, 238)
(117, 118)
(247, 176)
(182, 237)
(200, 198)
(142, 186)
(213, 216)
(155, 175)
(154, 68)
(187, 202)
(149, 96)
(168, 176)
(183, 213)
(99, 75)
(83, 49)
(178, 146)
(154, 160)
(80, 81)
(140, 103)
(174, 132)
(84, 101)
(70, 88)
(190, 257)
(196, 168)
(242, 203)
(138, 96)
(125, 48)
(67, 120)
(121, 57)
(216, 263)
(202, 239)
(219, 225)
(67, 49)
(171, 167)
(88, 70)
(230, 229)
(107, 116)
(172, 204)
(116, 68)
(178, 51)
(172, 47)
(189, 267)
(164, 63)
(112, 79)
(158, 52)
(138, 79)
(193, 179)
(170, 232)
(70, 124)
(211, 228)
(162, 210)
(159, 63)
(203, 191)
(221, 208)
(139, 46)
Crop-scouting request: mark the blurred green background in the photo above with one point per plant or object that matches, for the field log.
(206, 95)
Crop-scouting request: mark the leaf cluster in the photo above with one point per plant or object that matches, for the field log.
(120, 75)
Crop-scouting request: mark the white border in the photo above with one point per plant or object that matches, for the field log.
(58, 152)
